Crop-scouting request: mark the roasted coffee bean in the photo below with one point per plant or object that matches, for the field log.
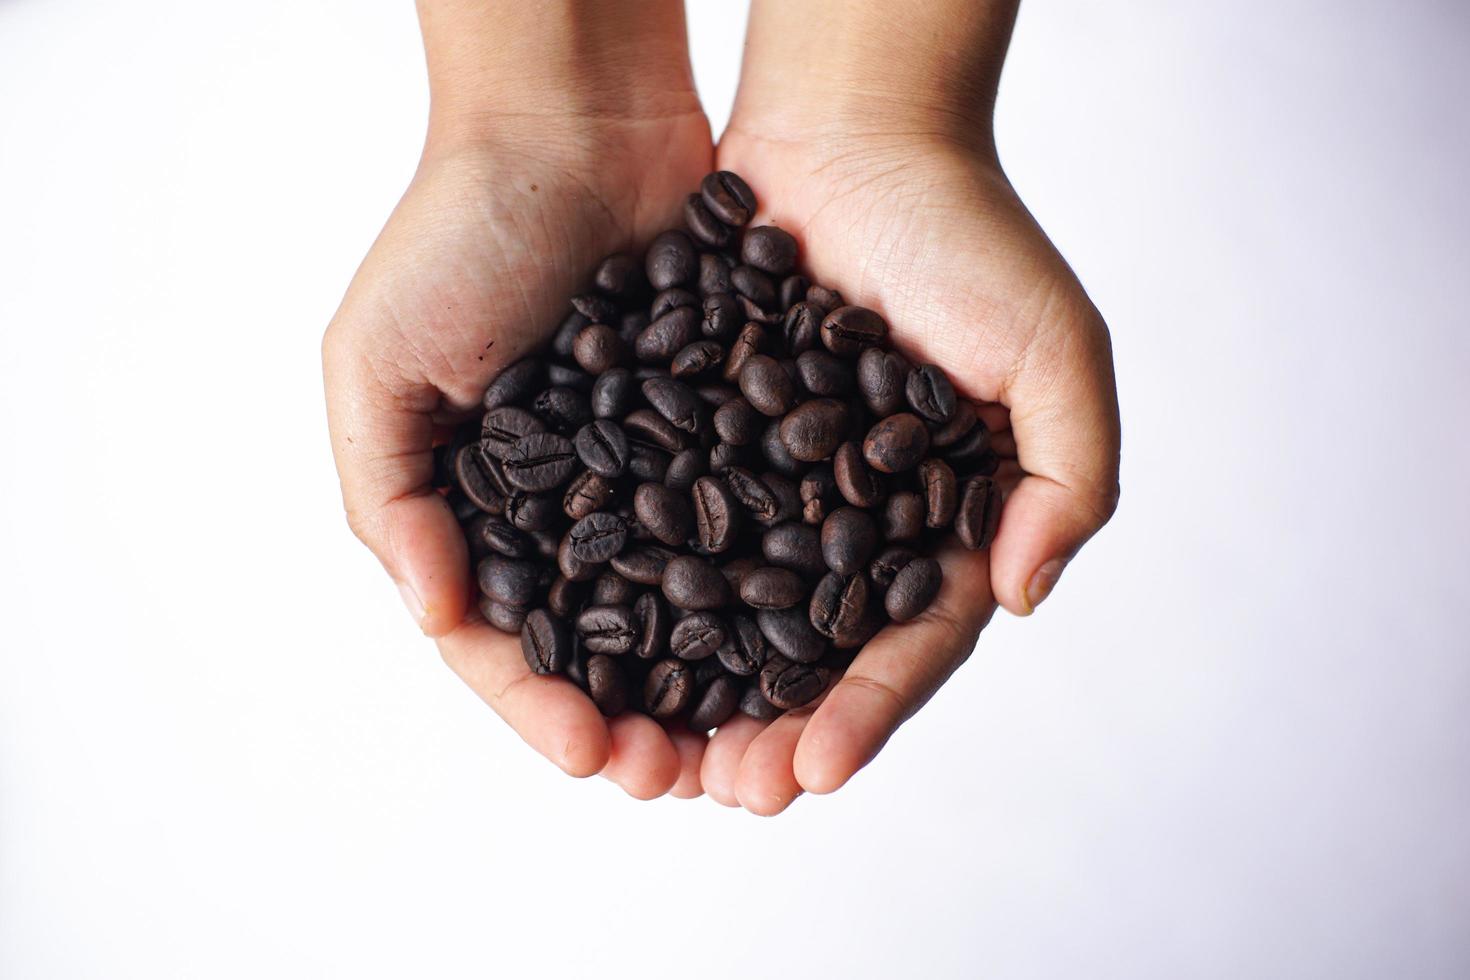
(896, 444)
(801, 328)
(839, 605)
(540, 461)
(587, 492)
(817, 492)
(598, 348)
(669, 688)
(913, 589)
(777, 457)
(848, 329)
(571, 378)
(546, 642)
(646, 425)
(716, 515)
(596, 308)
(823, 298)
(651, 615)
(749, 651)
(822, 374)
(501, 537)
(814, 429)
(728, 197)
(687, 466)
(507, 619)
(736, 569)
(772, 588)
(697, 358)
(903, 516)
(598, 536)
(754, 285)
(565, 596)
(753, 311)
(958, 426)
(695, 584)
(978, 514)
(883, 568)
(670, 300)
(618, 275)
(647, 463)
(971, 448)
(747, 344)
(794, 546)
(793, 290)
(630, 325)
(611, 589)
(608, 629)
(941, 492)
(663, 338)
(473, 476)
(790, 633)
(881, 377)
(514, 383)
(664, 512)
(737, 423)
(671, 260)
(858, 484)
(603, 448)
(697, 636)
(767, 386)
(676, 402)
(791, 685)
(769, 249)
(531, 511)
(723, 317)
(753, 494)
(714, 394)
(561, 342)
(502, 426)
(704, 225)
(788, 498)
(930, 394)
(612, 393)
(565, 410)
(644, 564)
(570, 566)
(714, 273)
(849, 538)
(715, 704)
(722, 456)
(754, 704)
(607, 685)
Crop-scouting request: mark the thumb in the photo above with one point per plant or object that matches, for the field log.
(1064, 415)
(382, 439)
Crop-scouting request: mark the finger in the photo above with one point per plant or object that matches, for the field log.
(690, 747)
(548, 711)
(382, 439)
(766, 783)
(1064, 418)
(643, 761)
(894, 675)
(722, 757)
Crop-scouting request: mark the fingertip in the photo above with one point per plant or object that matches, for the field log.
(585, 756)
(722, 758)
(643, 760)
(690, 747)
(429, 558)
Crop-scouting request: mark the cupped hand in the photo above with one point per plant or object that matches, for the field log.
(929, 233)
(472, 271)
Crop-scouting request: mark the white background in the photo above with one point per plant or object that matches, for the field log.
(1236, 743)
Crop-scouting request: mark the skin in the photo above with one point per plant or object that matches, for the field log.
(865, 130)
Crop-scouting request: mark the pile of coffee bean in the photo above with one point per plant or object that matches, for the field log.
(718, 482)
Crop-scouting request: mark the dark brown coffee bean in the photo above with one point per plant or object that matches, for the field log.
(473, 476)
(728, 197)
(971, 449)
(714, 393)
(687, 466)
(903, 516)
(575, 379)
(612, 589)
(793, 290)
(531, 511)
(603, 448)
(651, 614)
(598, 536)
(941, 492)
(608, 629)
(849, 538)
(607, 685)
(736, 569)
(794, 546)
(897, 443)
(750, 651)
(697, 358)
(676, 402)
(722, 456)
(883, 568)
(858, 484)
(755, 286)
(801, 328)
(790, 685)
(737, 423)
(715, 704)
(507, 619)
(664, 512)
(508, 581)
(669, 688)
(596, 308)
(587, 492)
(788, 498)
(546, 642)
(644, 564)
(769, 249)
(697, 636)
(630, 325)
(612, 393)
(515, 383)
(753, 311)
(704, 225)
(753, 704)
(753, 494)
(913, 589)
(714, 274)
(772, 588)
(563, 340)
(716, 515)
(881, 376)
(930, 394)
(658, 342)
(767, 386)
(570, 566)
(565, 596)
(671, 260)
(501, 427)
(814, 429)
(646, 425)
(598, 348)
(790, 633)
(839, 605)
(822, 374)
(817, 492)
(848, 329)
(978, 515)
(958, 426)
(695, 584)
(618, 275)
(745, 346)
(563, 409)
(499, 536)
(823, 298)
(722, 317)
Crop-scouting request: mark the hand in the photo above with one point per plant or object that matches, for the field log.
(899, 215)
(508, 212)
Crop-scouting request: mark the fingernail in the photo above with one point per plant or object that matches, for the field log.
(413, 602)
(1041, 585)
